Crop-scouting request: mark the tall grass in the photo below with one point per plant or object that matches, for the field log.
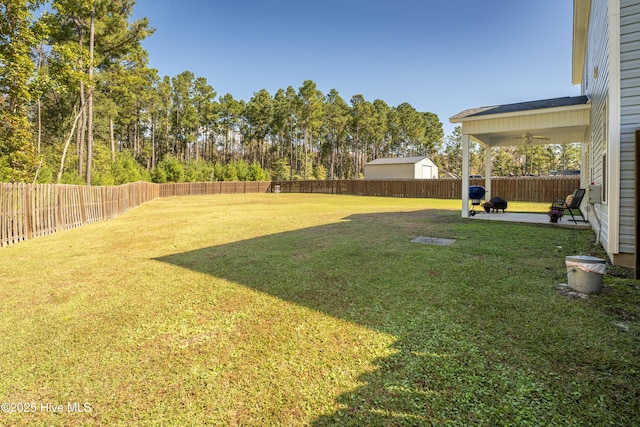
(311, 310)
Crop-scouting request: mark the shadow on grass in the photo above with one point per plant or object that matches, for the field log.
(449, 363)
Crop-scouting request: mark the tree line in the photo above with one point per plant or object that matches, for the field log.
(81, 104)
(519, 160)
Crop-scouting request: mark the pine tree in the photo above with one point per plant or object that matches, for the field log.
(18, 161)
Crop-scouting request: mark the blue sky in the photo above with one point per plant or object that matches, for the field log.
(441, 56)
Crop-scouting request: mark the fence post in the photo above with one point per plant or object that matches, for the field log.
(28, 217)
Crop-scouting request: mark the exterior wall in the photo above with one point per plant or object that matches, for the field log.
(426, 171)
(595, 84)
(400, 170)
(611, 79)
(397, 171)
(629, 118)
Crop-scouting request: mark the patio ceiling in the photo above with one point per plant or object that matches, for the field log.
(548, 121)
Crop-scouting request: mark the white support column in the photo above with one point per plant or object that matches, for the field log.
(465, 176)
(488, 171)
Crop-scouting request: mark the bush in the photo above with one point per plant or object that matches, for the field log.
(159, 176)
(320, 172)
(126, 169)
(218, 172)
(281, 170)
(102, 178)
(46, 174)
(101, 164)
(168, 169)
(256, 173)
(4, 169)
(231, 172)
(199, 171)
(242, 169)
(171, 170)
(72, 177)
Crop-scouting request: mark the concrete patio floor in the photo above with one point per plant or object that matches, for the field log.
(530, 218)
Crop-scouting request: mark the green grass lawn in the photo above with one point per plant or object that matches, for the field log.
(318, 310)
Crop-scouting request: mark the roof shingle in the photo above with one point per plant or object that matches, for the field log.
(521, 106)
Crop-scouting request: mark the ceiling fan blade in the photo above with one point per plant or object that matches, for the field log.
(529, 137)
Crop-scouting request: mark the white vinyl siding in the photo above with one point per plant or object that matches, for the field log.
(629, 117)
(401, 168)
(596, 86)
(405, 171)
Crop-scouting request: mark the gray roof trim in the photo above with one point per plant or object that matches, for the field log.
(567, 101)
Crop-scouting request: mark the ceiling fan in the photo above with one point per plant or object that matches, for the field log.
(528, 137)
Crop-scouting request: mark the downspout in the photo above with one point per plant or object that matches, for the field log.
(592, 206)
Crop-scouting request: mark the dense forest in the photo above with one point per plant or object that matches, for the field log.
(79, 103)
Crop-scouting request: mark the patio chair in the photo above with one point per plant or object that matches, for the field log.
(571, 203)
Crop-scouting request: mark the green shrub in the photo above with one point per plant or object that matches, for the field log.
(320, 172)
(231, 172)
(199, 171)
(159, 176)
(169, 169)
(72, 177)
(218, 172)
(126, 169)
(243, 170)
(281, 170)
(256, 173)
(46, 174)
(102, 178)
(4, 169)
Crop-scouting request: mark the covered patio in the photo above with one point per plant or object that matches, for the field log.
(549, 121)
(529, 218)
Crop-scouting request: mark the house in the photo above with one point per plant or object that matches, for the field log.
(401, 168)
(605, 119)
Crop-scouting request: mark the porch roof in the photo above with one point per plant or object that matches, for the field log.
(548, 121)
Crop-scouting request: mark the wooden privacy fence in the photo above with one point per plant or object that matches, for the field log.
(32, 210)
(218, 187)
(517, 189)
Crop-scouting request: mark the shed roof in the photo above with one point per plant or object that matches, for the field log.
(397, 160)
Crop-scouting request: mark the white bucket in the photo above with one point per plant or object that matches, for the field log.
(584, 273)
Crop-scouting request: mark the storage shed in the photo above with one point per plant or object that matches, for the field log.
(401, 168)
